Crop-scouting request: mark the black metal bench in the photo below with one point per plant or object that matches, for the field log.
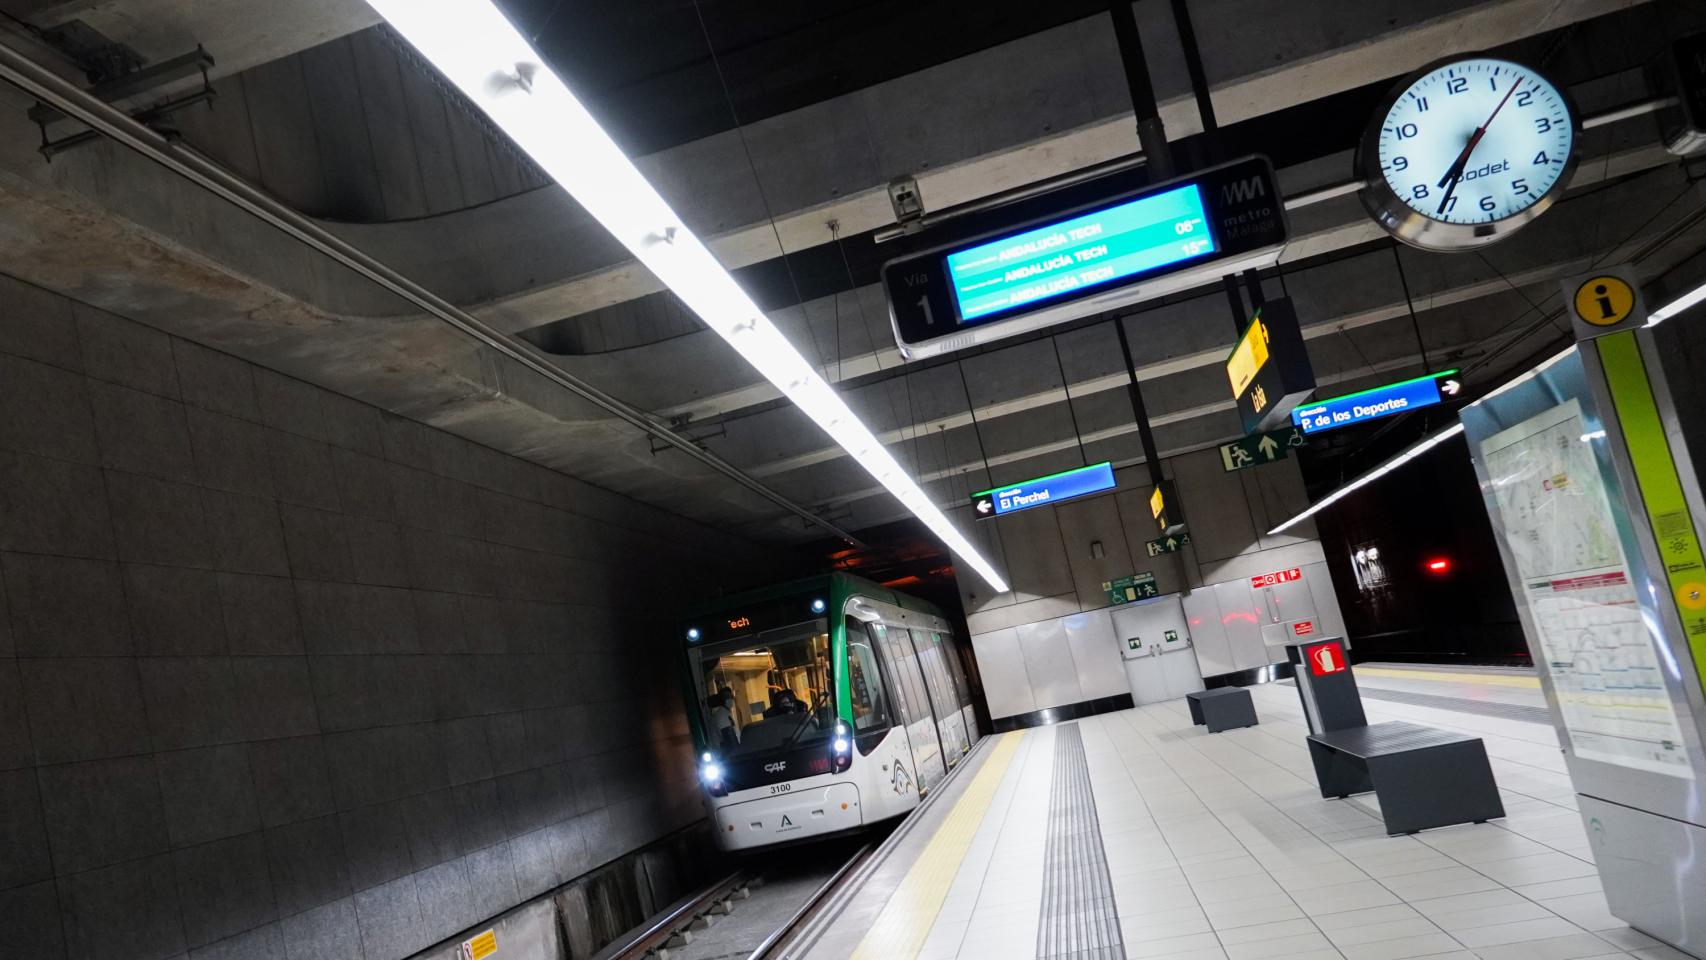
(1422, 777)
(1222, 708)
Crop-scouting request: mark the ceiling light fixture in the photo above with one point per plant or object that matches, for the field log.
(1676, 306)
(475, 46)
(1385, 468)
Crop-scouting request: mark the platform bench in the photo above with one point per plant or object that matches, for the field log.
(1222, 708)
(1422, 777)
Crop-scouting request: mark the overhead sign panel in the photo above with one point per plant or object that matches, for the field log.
(1092, 250)
(1129, 247)
(1164, 508)
(998, 501)
(1269, 369)
(1365, 405)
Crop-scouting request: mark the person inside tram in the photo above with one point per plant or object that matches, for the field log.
(782, 703)
(726, 733)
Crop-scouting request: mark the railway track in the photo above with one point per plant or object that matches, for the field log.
(776, 906)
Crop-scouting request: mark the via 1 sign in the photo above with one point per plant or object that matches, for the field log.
(1276, 578)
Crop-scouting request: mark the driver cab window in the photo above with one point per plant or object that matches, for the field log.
(869, 700)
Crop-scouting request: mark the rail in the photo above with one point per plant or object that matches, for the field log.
(825, 906)
(643, 940)
(774, 945)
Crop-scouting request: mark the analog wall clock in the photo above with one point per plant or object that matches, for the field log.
(1466, 151)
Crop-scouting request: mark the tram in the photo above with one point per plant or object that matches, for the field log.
(820, 706)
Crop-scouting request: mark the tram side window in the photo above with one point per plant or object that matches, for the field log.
(913, 706)
(870, 701)
(957, 667)
(935, 674)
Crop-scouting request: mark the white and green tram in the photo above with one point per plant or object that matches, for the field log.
(821, 706)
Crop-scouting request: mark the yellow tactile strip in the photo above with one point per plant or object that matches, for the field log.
(905, 922)
(1491, 679)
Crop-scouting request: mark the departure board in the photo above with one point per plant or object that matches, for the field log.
(1085, 258)
(1087, 251)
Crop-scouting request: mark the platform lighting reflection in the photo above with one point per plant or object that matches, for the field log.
(478, 50)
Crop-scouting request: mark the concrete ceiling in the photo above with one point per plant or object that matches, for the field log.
(106, 226)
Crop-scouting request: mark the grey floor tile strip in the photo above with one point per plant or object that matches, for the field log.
(1079, 920)
(1486, 708)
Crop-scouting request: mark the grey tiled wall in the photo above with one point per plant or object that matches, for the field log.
(286, 677)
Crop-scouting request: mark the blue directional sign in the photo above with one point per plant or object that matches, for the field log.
(1365, 405)
(1043, 491)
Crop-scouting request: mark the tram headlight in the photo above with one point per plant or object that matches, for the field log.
(840, 750)
(711, 772)
(817, 606)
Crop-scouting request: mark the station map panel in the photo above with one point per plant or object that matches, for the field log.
(1558, 524)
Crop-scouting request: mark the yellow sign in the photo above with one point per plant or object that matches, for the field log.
(1604, 301)
(480, 946)
(1156, 504)
(1661, 489)
(1248, 357)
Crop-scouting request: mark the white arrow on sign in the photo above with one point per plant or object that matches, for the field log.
(1268, 446)
(984, 506)
(1451, 387)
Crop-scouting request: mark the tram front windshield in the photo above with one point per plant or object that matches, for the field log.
(768, 693)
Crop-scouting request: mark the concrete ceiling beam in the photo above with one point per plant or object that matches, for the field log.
(964, 137)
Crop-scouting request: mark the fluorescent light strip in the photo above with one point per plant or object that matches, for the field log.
(1385, 468)
(478, 50)
(1676, 306)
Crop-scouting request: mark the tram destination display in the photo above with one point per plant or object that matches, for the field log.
(1130, 247)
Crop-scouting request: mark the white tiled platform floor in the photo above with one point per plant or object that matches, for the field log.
(1221, 848)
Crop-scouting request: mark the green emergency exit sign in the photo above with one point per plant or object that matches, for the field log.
(1138, 586)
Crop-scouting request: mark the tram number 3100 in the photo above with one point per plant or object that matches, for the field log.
(781, 787)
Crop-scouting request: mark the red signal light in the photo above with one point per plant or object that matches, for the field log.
(1439, 565)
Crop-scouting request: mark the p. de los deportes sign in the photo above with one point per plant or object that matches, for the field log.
(1374, 404)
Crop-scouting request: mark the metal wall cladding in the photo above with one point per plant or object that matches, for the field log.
(1048, 661)
(1006, 684)
(1095, 654)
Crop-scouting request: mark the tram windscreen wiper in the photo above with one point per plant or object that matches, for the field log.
(806, 721)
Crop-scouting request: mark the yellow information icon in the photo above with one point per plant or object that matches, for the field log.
(1692, 596)
(1604, 301)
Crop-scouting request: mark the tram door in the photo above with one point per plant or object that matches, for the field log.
(944, 700)
(913, 704)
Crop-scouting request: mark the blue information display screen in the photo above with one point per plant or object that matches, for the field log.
(1043, 490)
(1368, 405)
(1057, 260)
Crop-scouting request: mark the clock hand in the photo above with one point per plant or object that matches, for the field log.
(1445, 201)
(1455, 171)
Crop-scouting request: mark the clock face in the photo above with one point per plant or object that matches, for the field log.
(1467, 145)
